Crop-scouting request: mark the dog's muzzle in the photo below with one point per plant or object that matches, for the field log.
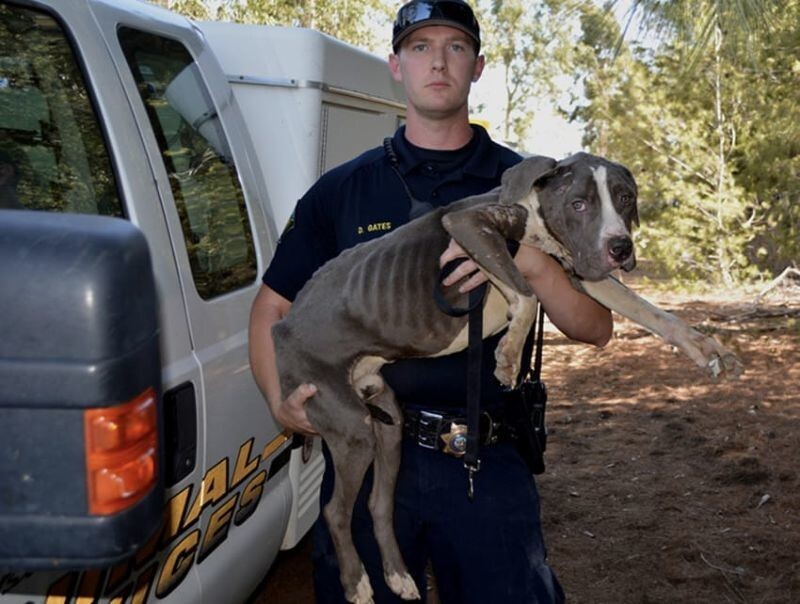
(448, 432)
(621, 251)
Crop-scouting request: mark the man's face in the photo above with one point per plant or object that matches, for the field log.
(436, 65)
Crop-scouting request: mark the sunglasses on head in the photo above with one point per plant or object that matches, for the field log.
(422, 11)
(457, 13)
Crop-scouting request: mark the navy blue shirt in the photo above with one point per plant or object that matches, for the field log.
(364, 199)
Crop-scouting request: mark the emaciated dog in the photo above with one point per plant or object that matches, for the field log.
(373, 304)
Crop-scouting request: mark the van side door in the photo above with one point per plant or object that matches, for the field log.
(220, 239)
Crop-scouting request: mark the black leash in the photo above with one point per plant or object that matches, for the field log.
(474, 308)
(472, 461)
(533, 395)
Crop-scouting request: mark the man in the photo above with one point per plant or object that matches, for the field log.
(490, 549)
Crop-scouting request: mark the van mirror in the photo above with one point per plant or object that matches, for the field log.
(81, 470)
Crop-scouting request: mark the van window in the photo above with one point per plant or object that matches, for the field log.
(52, 153)
(196, 155)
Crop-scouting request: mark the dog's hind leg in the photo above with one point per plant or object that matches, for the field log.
(347, 429)
(387, 426)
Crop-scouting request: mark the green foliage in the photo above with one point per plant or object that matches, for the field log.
(770, 143)
(704, 108)
(708, 122)
(348, 20)
(527, 38)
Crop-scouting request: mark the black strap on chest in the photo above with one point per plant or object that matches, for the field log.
(530, 406)
(418, 208)
(527, 350)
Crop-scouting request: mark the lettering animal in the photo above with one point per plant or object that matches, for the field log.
(373, 304)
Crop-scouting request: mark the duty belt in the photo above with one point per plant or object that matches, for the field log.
(447, 432)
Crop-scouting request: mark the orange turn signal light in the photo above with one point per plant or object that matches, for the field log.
(121, 445)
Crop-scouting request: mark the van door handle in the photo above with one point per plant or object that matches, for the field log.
(180, 433)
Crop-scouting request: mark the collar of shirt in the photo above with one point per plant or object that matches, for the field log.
(483, 162)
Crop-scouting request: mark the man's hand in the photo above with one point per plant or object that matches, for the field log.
(269, 307)
(467, 268)
(291, 412)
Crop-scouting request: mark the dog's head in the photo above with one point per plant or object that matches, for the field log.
(588, 205)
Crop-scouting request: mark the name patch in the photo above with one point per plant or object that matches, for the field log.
(375, 227)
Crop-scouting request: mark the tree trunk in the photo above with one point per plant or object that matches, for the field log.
(723, 255)
(509, 103)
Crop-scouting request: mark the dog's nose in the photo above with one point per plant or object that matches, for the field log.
(620, 248)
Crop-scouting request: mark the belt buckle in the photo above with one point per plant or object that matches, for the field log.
(455, 441)
(430, 424)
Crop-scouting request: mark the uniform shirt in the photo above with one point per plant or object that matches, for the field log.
(364, 199)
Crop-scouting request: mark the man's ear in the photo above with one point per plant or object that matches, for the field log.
(480, 63)
(394, 68)
(517, 182)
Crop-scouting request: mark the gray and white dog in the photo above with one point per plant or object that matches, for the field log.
(373, 304)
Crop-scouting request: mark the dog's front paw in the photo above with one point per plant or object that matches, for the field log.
(719, 361)
(727, 365)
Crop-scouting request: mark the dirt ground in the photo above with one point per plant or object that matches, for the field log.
(666, 486)
(663, 485)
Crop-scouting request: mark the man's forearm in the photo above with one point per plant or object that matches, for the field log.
(579, 316)
(576, 314)
(263, 316)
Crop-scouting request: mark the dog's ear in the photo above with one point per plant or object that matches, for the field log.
(518, 180)
(635, 215)
(560, 169)
(632, 182)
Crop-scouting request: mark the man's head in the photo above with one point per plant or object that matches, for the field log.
(424, 13)
(436, 57)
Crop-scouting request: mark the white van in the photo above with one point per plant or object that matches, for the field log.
(151, 163)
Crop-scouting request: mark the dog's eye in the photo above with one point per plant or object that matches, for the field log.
(626, 199)
(579, 205)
